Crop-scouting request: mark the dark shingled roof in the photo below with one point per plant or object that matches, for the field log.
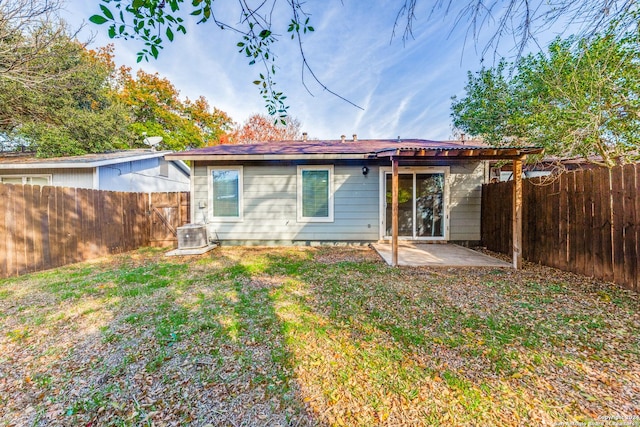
(363, 146)
(352, 149)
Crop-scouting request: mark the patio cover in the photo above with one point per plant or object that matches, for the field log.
(515, 154)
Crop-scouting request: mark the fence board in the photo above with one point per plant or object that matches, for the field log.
(71, 225)
(10, 230)
(580, 244)
(20, 229)
(29, 238)
(3, 231)
(85, 228)
(592, 234)
(507, 242)
(45, 221)
(538, 202)
(636, 286)
(572, 219)
(629, 224)
(618, 224)
(553, 201)
(58, 230)
(607, 225)
(563, 255)
(528, 221)
(588, 223)
(36, 220)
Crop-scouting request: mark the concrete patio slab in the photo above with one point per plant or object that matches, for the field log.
(191, 251)
(438, 255)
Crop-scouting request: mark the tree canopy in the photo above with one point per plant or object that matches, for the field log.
(59, 98)
(259, 128)
(72, 114)
(580, 98)
(157, 110)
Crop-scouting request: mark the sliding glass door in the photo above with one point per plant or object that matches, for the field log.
(421, 205)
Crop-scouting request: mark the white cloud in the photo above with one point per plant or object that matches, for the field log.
(404, 89)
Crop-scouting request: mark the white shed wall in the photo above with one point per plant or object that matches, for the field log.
(142, 176)
(79, 178)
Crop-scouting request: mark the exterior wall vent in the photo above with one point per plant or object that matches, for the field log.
(192, 236)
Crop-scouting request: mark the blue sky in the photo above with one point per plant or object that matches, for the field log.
(405, 89)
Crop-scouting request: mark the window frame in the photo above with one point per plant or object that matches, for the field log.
(211, 216)
(24, 178)
(415, 170)
(301, 169)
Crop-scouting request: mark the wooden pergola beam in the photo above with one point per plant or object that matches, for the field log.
(394, 212)
(476, 153)
(517, 214)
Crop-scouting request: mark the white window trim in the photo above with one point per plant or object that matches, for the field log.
(446, 170)
(240, 216)
(25, 176)
(301, 218)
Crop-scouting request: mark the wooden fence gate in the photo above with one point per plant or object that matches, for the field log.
(167, 212)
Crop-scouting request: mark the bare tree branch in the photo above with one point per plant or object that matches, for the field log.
(523, 20)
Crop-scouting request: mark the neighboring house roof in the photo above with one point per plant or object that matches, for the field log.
(359, 149)
(21, 161)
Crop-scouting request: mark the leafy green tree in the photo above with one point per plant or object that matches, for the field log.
(70, 110)
(581, 98)
(157, 110)
(58, 98)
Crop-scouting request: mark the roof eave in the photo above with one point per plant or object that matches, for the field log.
(236, 157)
(81, 165)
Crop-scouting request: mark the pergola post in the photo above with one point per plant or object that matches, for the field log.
(394, 211)
(517, 213)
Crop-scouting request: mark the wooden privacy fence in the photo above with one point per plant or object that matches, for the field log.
(46, 227)
(586, 222)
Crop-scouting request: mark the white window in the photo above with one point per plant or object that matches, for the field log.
(315, 193)
(164, 168)
(26, 179)
(225, 193)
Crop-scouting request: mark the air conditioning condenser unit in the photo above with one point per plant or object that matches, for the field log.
(192, 236)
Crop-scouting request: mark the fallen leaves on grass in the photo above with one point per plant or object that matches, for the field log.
(313, 336)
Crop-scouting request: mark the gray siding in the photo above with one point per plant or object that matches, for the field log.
(270, 203)
(80, 178)
(142, 176)
(465, 198)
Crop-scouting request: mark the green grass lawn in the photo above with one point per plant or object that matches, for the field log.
(314, 336)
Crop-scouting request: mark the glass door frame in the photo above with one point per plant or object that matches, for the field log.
(413, 170)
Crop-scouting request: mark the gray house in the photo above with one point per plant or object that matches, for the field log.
(127, 170)
(310, 192)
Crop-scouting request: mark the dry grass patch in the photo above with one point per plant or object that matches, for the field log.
(313, 336)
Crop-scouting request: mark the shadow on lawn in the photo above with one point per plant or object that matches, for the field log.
(149, 341)
(289, 336)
